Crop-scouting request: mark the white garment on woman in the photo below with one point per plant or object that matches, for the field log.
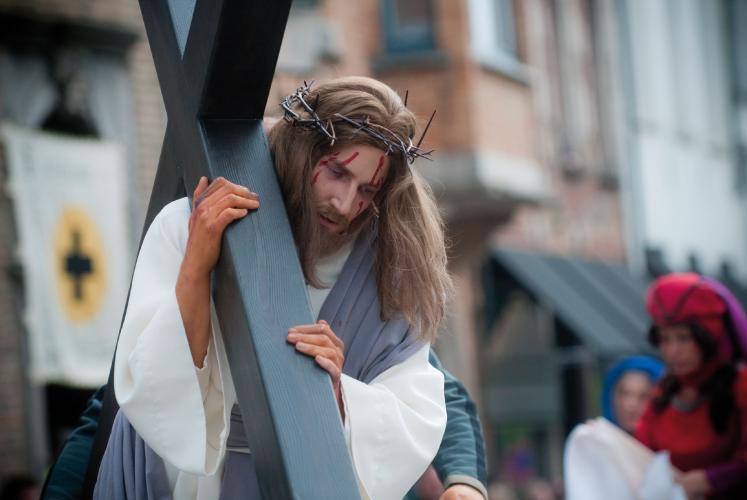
(604, 462)
(393, 425)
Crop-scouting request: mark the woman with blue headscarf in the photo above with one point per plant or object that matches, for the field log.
(627, 389)
(602, 459)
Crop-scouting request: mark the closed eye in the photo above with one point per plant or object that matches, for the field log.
(336, 171)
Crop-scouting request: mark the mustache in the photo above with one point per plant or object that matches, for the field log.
(331, 214)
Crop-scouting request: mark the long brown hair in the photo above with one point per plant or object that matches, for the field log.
(411, 263)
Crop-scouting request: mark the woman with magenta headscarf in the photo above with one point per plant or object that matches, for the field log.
(627, 389)
(698, 412)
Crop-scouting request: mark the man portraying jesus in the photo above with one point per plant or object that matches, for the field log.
(371, 245)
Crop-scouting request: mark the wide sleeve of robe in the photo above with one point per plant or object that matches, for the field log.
(182, 413)
(394, 425)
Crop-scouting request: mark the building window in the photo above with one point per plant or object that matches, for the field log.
(407, 25)
(493, 34)
(504, 35)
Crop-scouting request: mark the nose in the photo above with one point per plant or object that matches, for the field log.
(670, 351)
(344, 200)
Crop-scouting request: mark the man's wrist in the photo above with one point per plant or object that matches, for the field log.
(463, 479)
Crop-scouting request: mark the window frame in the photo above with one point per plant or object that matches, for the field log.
(494, 40)
(397, 41)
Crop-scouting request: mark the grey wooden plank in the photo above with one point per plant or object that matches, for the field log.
(292, 415)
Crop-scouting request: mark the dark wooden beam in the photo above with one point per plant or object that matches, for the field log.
(168, 184)
(244, 58)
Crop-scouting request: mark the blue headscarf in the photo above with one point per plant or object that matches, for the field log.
(644, 364)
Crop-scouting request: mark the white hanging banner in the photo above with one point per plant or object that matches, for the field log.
(70, 210)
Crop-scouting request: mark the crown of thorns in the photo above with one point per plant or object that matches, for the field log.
(326, 125)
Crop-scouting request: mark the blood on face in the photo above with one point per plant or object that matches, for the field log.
(323, 163)
(374, 180)
(350, 158)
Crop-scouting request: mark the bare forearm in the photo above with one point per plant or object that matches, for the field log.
(214, 206)
(193, 296)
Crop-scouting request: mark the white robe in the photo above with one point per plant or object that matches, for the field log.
(393, 426)
(604, 462)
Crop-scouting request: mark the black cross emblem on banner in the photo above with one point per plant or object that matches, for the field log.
(215, 61)
(77, 265)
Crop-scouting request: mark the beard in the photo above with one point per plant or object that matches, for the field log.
(315, 241)
(331, 240)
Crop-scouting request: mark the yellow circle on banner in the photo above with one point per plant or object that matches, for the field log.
(79, 265)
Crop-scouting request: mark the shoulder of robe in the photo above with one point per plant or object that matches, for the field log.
(172, 222)
(177, 209)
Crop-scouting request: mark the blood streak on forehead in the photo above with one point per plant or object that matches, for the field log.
(360, 208)
(351, 158)
(330, 157)
(374, 180)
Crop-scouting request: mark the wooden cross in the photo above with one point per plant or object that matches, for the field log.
(215, 61)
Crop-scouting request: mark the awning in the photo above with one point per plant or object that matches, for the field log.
(600, 302)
